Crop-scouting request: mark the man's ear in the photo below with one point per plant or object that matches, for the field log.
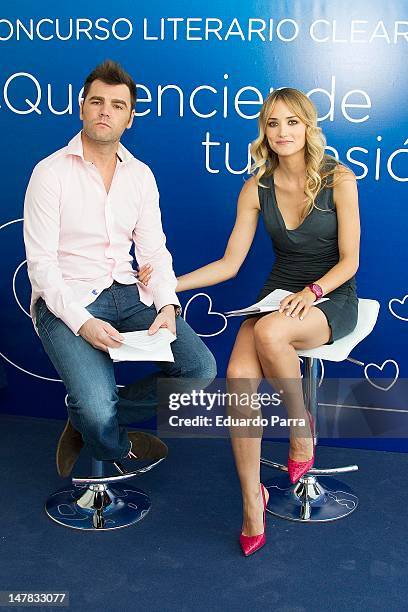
(132, 115)
(81, 104)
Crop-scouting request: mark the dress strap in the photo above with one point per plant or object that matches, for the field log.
(265, 192)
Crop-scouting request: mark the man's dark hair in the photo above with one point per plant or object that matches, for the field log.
(111, 73)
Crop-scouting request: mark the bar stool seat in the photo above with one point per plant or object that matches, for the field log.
(308, 500)
(100, 502)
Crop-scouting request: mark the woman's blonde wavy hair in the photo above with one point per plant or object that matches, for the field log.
(319, 173)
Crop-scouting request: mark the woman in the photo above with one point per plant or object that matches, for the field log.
(309, 205)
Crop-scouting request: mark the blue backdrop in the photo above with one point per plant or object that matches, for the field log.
(202, 74)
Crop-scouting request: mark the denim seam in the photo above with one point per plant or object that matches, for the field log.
(56, 356)
(117, 304)
(79, 415)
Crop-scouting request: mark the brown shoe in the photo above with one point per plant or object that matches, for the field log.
(146, 446)
(68, 449)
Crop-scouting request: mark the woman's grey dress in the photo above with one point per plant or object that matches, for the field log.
(305, 254)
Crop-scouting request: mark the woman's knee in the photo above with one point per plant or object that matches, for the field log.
(271, 336)
(242, 368)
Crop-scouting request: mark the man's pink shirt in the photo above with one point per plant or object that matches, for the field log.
(78, 237)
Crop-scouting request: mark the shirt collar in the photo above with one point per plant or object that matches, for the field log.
(75, 147)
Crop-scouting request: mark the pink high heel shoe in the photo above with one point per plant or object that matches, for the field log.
(297, 469)
(251, 544)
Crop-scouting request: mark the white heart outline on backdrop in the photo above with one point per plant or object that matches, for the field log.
(25, 312)
(381, 368)
(399, 302)
(209, 312)
(321, 370)
(14, 288)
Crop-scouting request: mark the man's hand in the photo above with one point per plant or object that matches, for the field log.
(98, 333)
(165, 318)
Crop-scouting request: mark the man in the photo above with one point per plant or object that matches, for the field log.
(85, 205)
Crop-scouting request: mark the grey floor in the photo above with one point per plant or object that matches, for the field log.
(185, 555)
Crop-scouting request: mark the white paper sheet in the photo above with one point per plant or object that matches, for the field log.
(269, 303)
(139, 346)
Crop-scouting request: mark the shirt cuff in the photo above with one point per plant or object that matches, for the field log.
(75, 316)
(163, 297)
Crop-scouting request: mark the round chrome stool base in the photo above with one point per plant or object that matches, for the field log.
(98, 507)
(309, 500)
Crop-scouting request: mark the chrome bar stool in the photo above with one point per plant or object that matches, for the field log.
(309, 500)
(100, 502)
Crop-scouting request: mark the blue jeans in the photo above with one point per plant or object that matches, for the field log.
(95, 407)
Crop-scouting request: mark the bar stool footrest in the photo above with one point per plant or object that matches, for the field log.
(124, 475)
(314, 471)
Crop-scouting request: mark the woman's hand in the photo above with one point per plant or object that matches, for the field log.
(144, 273)
(298, 303)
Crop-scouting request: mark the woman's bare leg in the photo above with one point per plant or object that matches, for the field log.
(243, 376)
(276, 339)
